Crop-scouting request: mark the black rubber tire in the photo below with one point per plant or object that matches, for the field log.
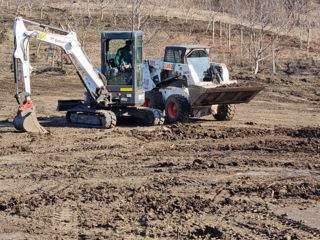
(155, 98)
(182, 109)
(110, 119)
(225, 112)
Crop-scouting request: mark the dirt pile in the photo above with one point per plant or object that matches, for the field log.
(195, 131)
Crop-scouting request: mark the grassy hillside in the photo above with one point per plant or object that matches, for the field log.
(167, 24)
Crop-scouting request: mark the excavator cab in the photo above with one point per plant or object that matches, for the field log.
(121, 64)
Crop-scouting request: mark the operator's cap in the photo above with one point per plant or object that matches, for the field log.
(128, 42)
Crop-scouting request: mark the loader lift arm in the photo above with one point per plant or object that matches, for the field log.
(26, 119)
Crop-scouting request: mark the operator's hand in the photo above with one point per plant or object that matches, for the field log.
(124, 67)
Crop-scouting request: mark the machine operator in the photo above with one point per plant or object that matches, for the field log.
(123, 59)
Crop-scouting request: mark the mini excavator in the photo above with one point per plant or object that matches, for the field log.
(108, 95)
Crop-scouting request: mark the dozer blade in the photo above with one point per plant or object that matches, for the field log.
(226, 94)
(27, 121)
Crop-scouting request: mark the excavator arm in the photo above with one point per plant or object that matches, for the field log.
(26, 119)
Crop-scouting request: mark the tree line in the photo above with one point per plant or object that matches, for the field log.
(255, 25)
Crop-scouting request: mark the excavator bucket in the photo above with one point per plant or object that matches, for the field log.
(27, 121)
(225, 94)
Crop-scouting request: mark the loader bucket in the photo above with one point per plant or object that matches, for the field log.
(207, 95)
(27, 121)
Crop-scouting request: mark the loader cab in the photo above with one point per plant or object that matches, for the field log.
(121, 64)
(180, 54)
(186, 54)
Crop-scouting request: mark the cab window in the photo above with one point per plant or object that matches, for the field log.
(173, 56)
(197, 54)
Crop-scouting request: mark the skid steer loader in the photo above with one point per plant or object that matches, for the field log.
(186, 84)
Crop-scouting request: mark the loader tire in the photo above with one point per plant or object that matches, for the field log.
(225, 112)
(177, 109)
(153, 99)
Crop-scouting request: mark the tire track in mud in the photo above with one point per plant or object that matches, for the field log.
(180, 165)
(261, 220)
(65, 219)
(256, 217)
(296, 225)
(274, 226)
(227, 139)
(196, 131)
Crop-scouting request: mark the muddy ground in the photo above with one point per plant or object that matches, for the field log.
(255, 177)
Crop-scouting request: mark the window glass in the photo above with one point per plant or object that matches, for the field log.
(119, 62)
(201, 65)
(114, 45)
(139, 49)
(197, 53)
(177, 56)
(139, 77)
(169, 56)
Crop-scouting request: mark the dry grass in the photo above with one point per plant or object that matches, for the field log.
(158, 32)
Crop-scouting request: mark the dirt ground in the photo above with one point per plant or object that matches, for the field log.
(255, 177)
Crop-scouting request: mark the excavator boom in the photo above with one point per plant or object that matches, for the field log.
(26, 119)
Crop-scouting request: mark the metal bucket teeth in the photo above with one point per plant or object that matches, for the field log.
(27, 121)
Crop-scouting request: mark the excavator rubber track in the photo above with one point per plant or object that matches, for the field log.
(154, 116)
(148, 116)
(108, 118)
(93, 118)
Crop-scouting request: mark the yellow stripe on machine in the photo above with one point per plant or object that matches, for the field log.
(42, 36)
(125, 89)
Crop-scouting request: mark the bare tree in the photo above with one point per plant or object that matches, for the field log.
(187, 9)
(220, 33)
(88, 8)
(2, 4)
(19, 4)
(141, 11)
(212, 11)
(103, 4)
(310, 25)
(115, 7)
(42, 4)
(165, 6)
(85, 21)
(264, 20)
(30, 5)
(229, 36)
(190, 29)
